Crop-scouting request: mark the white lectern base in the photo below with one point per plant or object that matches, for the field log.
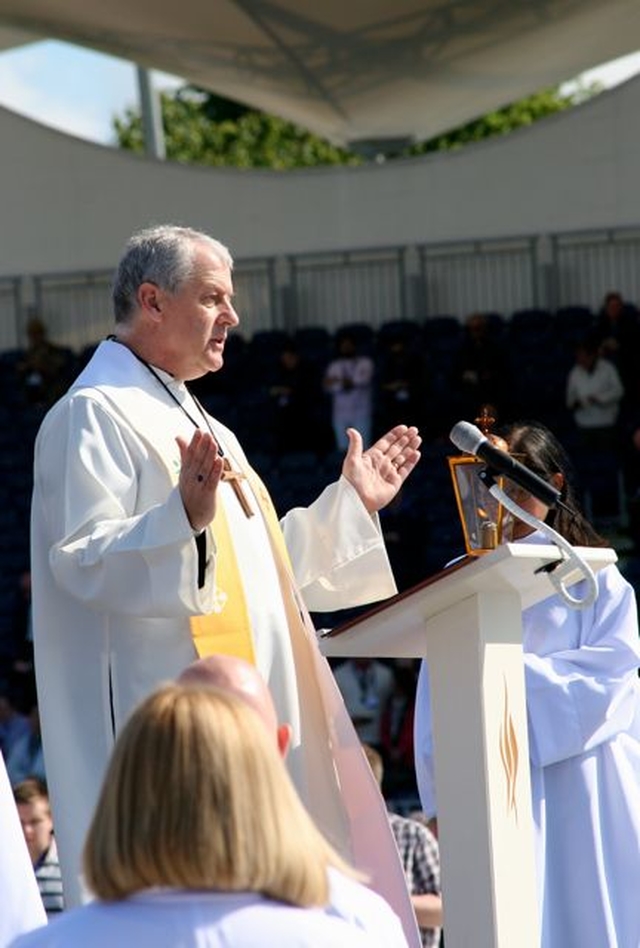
(467, 620)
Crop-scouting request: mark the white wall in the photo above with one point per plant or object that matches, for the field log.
(68, 205)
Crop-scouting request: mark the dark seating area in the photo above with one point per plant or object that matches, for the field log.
(527, 356)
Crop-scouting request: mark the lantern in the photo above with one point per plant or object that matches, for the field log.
(485, 522)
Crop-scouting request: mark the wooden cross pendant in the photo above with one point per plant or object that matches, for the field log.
(234, 477)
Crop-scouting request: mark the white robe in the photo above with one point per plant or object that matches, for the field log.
(583, 711)
(21, 906)
(114, 569)
(166, 918)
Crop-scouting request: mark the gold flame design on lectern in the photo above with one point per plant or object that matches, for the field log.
(509, 754)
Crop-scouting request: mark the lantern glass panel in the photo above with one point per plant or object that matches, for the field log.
(485, 522)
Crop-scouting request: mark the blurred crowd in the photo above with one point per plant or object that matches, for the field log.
(290, 396)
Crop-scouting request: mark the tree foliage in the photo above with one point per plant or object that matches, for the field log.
(502, 121)
(202, 128)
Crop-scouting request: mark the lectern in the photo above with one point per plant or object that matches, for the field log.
(467, 621)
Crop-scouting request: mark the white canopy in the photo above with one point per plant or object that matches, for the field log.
(350, 70)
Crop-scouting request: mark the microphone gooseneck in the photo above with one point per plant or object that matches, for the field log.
(470, 439)
(571, 566)
(569, 569)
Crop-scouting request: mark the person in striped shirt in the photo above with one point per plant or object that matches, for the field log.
(32, 801)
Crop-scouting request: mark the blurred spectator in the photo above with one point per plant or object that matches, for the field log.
(481, 368)
(296, 394)
(402, 388)
(26, 758)
(618, 335)
(365, 684)
(396, 731)
(349, 380)
(406, 545)
(631, 459)
(22, 657)
(13, 725)
(420, 857)
(593, 395)
(32, 801)
(45, 366)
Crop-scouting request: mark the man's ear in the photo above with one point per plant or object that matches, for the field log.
(150, 299)
(285, 732)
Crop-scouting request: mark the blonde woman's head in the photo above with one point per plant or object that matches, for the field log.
(196, 796)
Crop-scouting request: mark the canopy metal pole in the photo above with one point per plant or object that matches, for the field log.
(151, 112)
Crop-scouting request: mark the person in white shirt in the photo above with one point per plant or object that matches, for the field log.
(200, 837)
(594, 394)
(348, 379)
(366, 685)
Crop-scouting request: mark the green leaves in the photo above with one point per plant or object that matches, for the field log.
(202, 128)
(502, 121)
(198, 131)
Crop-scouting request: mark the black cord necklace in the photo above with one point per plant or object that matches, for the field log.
(161, 381)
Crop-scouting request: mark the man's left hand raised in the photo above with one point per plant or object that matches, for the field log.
(379, 472)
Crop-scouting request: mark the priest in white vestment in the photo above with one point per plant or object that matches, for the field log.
(147, 515)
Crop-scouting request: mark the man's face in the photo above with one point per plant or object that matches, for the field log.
(197, 317)
(614, 307)
(347, 347)
(37, 826)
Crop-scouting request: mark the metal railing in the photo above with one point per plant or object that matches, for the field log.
(481, 276)
(256, 297)
(356, 286)
(76, 307)
(586, 266)
(372, 286)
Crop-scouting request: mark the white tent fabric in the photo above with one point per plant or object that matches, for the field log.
(351, 71)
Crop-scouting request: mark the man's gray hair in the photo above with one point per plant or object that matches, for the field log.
(162, 255)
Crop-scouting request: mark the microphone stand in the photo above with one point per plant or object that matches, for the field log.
(570, 560)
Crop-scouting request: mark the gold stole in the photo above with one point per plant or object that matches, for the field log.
(229, 630)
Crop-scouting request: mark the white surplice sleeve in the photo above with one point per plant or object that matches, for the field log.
(109, 548)
(338, 552)
(585, 693)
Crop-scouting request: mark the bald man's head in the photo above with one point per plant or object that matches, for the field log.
(242, 679)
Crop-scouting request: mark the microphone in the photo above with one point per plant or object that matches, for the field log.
(470, 439)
